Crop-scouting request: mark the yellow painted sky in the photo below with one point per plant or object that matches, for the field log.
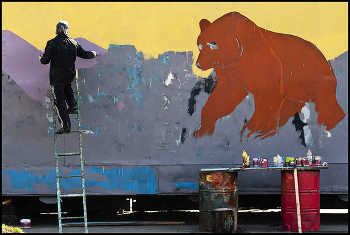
(162, 26)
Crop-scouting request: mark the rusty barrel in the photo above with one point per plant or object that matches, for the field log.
(216, 190)
(309, 200)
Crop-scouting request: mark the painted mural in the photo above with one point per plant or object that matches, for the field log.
(281, 71)
(155, 109)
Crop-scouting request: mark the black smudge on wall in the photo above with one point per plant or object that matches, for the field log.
(203, 84)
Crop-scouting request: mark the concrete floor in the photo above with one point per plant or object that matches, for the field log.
(248, 222)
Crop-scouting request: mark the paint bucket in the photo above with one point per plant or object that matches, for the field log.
(318, 160)
(25, 223)
(264, 162)
(216, 190)
(309, 199)
(255, 162)
(299, 161)
(305, 161)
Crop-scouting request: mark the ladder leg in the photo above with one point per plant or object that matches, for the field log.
(81, 154)
(54, 111)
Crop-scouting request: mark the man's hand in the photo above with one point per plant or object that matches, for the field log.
(42, 51)
(96, 53)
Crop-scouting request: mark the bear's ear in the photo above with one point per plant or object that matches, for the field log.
(204, 23)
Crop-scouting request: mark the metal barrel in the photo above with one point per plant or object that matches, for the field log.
(216, 190)
(309, 199)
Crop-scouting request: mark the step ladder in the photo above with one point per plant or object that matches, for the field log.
(58, 154)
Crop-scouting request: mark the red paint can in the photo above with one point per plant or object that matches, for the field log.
(299, 161)
(309, 198)
(305, 162)
(318, 160)
(264, 162)
(255, 162)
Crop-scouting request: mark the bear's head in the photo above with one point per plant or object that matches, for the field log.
(217, 42)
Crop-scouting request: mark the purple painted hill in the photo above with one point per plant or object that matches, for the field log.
(20, 60)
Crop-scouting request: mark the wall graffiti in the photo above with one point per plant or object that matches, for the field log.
(281, 71)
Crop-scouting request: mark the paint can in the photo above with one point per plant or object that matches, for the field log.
(292, 164)
(282, 162)
(305, 161)
(275, 161)
(318, 160)
(299, 161)
(25, 223)
(255, 162)
(264, 163)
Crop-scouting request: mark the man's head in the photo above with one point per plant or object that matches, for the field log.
(62, 27)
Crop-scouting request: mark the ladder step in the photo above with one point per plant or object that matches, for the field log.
(67, 176)
(73, 217)
(72, 195)
(76, 131)
(68, 154)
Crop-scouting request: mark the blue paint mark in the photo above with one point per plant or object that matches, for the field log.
(141, 180)
(138, 96)
(50, 131)
(23, 180)
(339, 88)
(129, 56)
(139, 57)
(138, 127)
(113, 70)
(86, 127)
(155, 91)
(164, 58)
(156, 77)
(199, 153)
(98, 130)
(185, 185)
(116, 46)
(346, 101)
(135, 75)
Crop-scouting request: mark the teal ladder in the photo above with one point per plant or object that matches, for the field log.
(58, 154)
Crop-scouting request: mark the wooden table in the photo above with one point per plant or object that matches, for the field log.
(302, 168)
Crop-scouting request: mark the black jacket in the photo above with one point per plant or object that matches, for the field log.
(62, 51)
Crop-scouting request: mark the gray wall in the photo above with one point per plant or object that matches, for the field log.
(138, 133)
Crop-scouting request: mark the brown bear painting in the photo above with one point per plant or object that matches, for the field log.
(281, 71)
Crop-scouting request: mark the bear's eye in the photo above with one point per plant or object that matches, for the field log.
(200, 46)
(212, 45)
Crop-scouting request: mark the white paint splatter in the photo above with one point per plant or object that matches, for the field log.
(86, 132)
(90, 98)
(329, 135)
(47, 102)
(170, 77)
(166, 101)
(49, 117)
(307, 132)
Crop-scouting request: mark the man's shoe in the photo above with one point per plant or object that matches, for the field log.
(72, 110)
(63, 131)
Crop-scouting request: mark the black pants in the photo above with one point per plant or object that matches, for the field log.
(64, 94)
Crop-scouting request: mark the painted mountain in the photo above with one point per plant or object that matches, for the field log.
(20, 60)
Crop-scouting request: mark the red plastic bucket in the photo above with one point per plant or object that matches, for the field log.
(309, 199)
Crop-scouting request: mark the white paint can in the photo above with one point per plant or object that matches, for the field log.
(25, 223)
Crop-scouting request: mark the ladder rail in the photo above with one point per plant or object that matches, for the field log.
(81, 152)
(58, 154)
(58, 191)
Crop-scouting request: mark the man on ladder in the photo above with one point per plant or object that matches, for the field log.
(62, 52)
